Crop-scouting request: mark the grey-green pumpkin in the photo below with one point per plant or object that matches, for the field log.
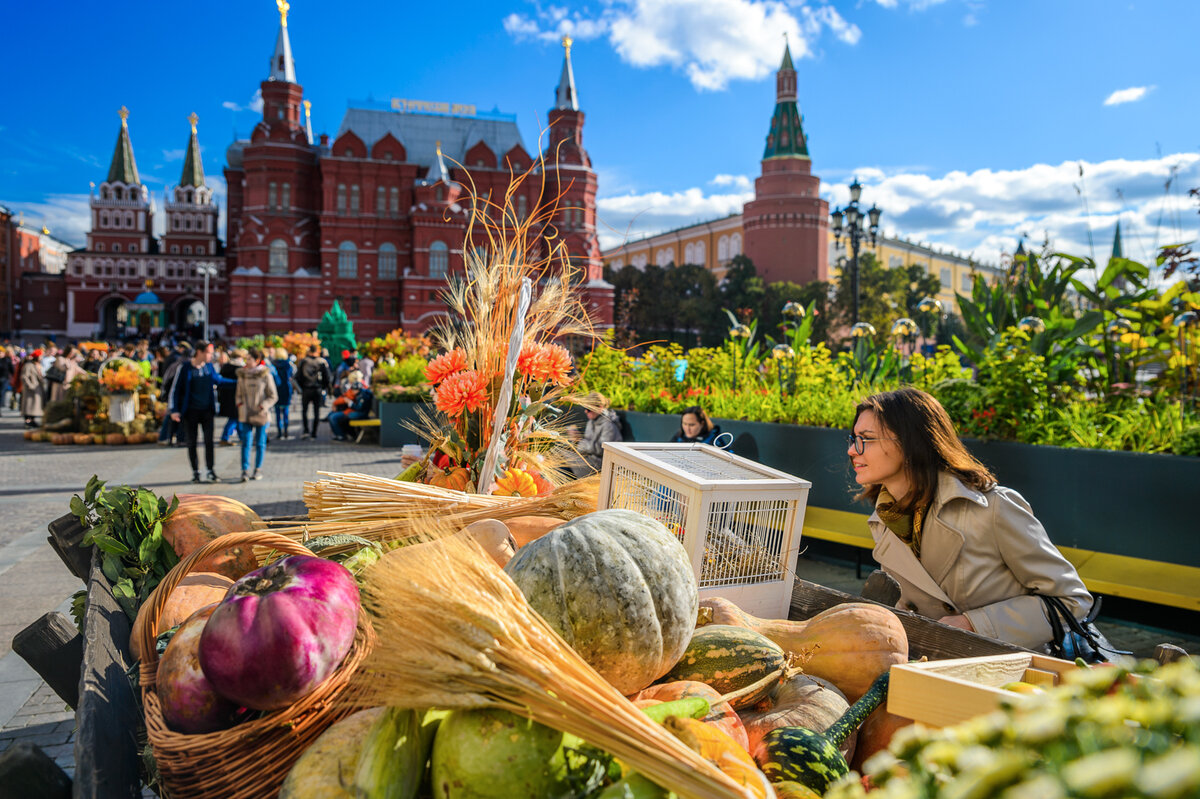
(618, 587)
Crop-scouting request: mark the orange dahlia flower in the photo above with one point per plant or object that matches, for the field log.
(443, 366)
(549, 363)
(516, 483)
(462, 391)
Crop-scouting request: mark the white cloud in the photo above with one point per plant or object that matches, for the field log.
(67, 215)
(740, 181)
(1130, 95)
(255, 104)
(713, 42)
(982, 213)
(173, 155)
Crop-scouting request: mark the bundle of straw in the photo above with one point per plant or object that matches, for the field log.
(455, 632)
(363, 498)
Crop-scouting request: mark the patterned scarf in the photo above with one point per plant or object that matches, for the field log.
(906, 526)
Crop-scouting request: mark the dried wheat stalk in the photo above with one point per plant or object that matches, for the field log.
(455, 632)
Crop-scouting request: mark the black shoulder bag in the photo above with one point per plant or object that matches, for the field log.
(1078, 639)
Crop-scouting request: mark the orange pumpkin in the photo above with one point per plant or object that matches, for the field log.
(98, 438)
(83, 438)
(849, 644)
(194, 591)
(199, 519)
(456, 478)
(876, 734)
(530, 528)
(114, 439)
(717, 748)
(28, 435)
(722, 715)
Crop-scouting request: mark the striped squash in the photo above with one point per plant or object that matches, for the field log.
(730, 658)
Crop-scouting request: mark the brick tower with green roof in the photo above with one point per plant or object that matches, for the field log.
(191, 227)
(122, 215)
(786, 224)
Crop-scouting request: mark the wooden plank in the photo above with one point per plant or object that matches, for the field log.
(926, 637)
(106, 749)
(66, 533)
(54, 648)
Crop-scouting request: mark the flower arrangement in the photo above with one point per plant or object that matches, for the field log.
(298, 344)
(121, 376)
(397, 344)
(496, 411)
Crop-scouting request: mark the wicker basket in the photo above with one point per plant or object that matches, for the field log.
(250, 760)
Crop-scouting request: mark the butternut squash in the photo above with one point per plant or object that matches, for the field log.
(849, 644)
(722, 751)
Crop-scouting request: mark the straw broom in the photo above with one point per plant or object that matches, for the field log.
(362, 497)
(455, 632)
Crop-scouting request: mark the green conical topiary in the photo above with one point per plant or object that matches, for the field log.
(336, 332)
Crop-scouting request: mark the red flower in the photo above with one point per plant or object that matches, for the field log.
(446, 365)
(462, 390)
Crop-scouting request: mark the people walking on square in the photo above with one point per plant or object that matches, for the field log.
(256, 395)
(285, 372)
(227, 393)
(356, 401)
(66, 368)
(6, 377)
(194, 403)
(965, 551)
(33, 389)
(314, 379)
(171, 430)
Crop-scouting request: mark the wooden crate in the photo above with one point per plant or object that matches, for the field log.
(939, 693)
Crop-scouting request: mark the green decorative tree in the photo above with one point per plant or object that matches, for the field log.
(336, 331)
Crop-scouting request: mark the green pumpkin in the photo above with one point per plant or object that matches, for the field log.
(618, 587)
(494, 754)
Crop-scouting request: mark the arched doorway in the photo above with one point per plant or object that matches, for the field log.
(189, 316)
(113, 318)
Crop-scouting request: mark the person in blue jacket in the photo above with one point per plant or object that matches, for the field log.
(695, 427)
(360, 407)
(285, 370)
(194, 404)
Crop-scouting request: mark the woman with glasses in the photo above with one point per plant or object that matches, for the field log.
(964, 550)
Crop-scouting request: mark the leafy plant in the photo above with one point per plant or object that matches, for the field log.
(125, 524)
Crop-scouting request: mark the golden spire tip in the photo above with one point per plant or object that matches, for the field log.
(123, 114)
(193, 119)
(283, 7)
(567, 41)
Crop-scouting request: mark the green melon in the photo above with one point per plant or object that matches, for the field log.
(730, 658)
(618, 587)
(494, 754)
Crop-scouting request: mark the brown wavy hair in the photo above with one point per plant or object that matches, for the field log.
(928, 442)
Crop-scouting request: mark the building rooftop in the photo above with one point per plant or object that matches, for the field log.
(420, 133)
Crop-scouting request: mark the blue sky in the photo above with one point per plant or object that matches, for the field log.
(967, 120)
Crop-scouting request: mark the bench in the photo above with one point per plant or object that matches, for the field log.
(363, 426)
(1105, 573)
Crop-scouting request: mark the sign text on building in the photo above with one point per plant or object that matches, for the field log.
(400, 104)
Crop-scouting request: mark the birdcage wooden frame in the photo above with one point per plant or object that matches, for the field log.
(739, 521)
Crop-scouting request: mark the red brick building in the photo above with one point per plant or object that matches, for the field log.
(125, 281)
(378, 217)
(32, 296)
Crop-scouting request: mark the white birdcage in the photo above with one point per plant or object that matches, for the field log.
(740, 521)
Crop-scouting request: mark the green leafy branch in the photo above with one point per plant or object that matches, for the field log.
(126, 525)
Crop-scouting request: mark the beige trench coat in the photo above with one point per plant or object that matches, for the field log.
(984, 555)
(256, 395)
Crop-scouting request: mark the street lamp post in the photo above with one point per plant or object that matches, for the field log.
(856, 228)
(207, 270)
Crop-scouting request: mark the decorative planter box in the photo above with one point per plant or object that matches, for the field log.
(392, 416)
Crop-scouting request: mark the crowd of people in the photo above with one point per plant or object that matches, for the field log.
(251, 389)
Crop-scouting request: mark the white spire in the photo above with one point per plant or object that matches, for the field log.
(282, 66)
(565, 98)
(308, 125)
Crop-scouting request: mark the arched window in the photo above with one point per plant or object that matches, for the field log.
(341, 198)
(187, 223)
(380, 200)
(354, 204)
(735, 245)
(278, 258)
(395, 201)
(387, 261)
(116, 248)
(439, 259)
(701, 256)
(285, 196)
(104, 220)
(103, 194)
(347, 259)
(663, 258)
(689, 254)
(118, 193)
(187, 249)
(723, 248)
(272, 196)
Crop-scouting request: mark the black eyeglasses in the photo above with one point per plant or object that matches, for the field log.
(860, 442)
